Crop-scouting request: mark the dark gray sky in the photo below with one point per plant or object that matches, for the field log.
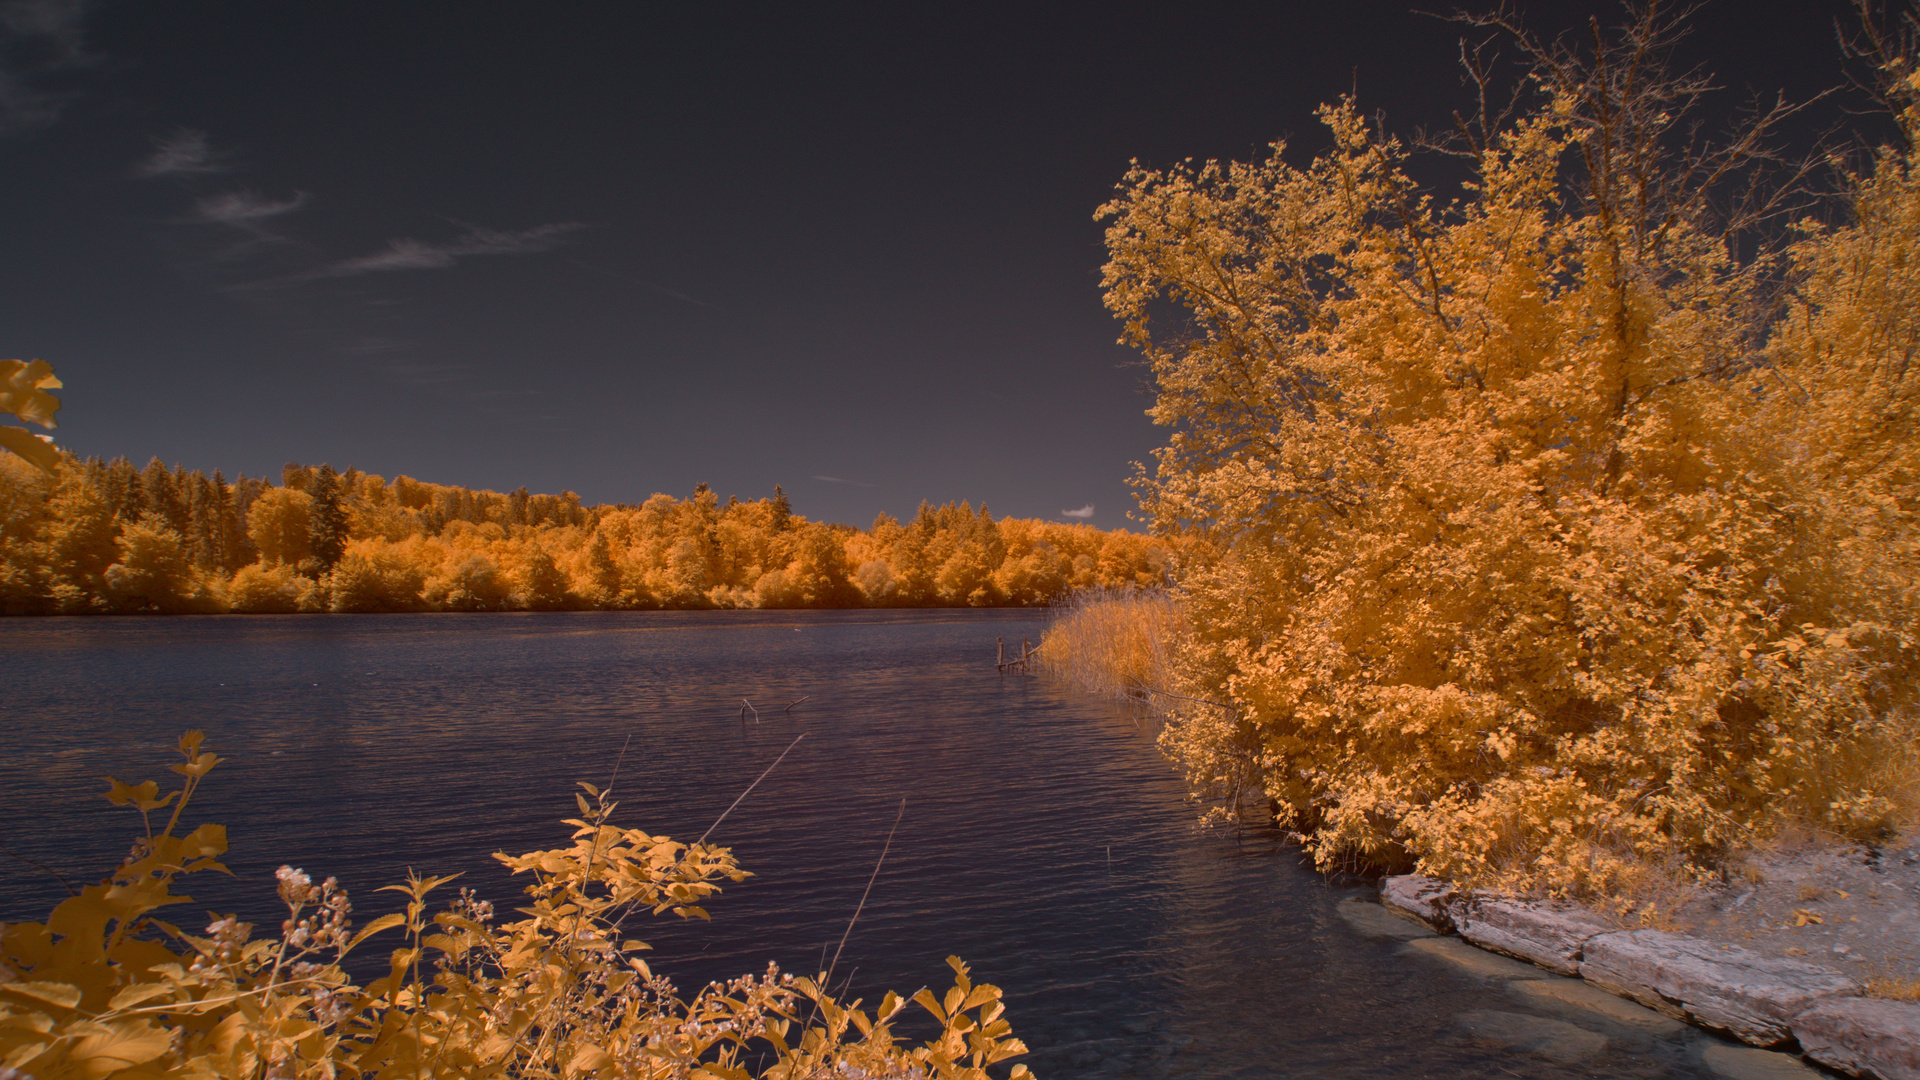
(622, 248)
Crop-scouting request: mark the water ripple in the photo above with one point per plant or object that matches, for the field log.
(1044, 839)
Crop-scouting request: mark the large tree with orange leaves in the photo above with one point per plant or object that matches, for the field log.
(1537, 547)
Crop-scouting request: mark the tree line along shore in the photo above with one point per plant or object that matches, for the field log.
(105, 537)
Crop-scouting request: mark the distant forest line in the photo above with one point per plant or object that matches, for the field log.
(105, 537)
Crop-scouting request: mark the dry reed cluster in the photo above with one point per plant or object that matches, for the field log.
(1114, 642)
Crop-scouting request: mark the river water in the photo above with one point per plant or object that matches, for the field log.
(1044, 839)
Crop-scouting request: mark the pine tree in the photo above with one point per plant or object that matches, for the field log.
(782, 509)
(162, 498)
(203, 546)
(229, 529)
(246, 490)
(124, 492)
(329, 530)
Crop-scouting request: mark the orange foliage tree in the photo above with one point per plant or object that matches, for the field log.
(1534, 548)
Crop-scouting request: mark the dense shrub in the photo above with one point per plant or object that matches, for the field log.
(1533, 547)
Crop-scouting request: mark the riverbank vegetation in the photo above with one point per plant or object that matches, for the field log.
(1553, 527)
(1117, 643)
(106, 988)
(105, 537)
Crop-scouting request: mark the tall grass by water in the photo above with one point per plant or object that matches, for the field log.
(1115, 642)
(1126, 643)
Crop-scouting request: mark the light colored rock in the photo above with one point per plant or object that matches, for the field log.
(1545, 934)
(1373, 920)
(1554, 1039)
(1746, 1063)
(1428, 900)
(1576, 994)
(1474, 961)
(1862, 1036)
(1750, 996)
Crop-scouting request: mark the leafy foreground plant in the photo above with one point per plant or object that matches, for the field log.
(105, 989)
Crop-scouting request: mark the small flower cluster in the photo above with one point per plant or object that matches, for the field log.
(224, 946)
(847, 1070)
(327, 927)
(471, 906)
(330, 1004)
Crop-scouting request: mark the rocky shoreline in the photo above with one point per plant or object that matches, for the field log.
(1774, 1003)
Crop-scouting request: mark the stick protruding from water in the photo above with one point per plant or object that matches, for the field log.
(750, 787)
(863, 896)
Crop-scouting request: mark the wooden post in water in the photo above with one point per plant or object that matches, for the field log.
(1000, 661)
(1026, 653)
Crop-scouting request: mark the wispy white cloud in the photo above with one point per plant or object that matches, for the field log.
(838, 480)
(245, 209)
(186, 153)
(1084, 512)
(404, 254)
(410, 254)
(252, 215)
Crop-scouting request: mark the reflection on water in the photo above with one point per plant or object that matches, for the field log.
(1043, 840)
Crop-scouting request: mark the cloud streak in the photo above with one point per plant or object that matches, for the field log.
(184, 154)
(251, 214)
(244, 209)
(838, 480)
(411, 254)
(1084, 512)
